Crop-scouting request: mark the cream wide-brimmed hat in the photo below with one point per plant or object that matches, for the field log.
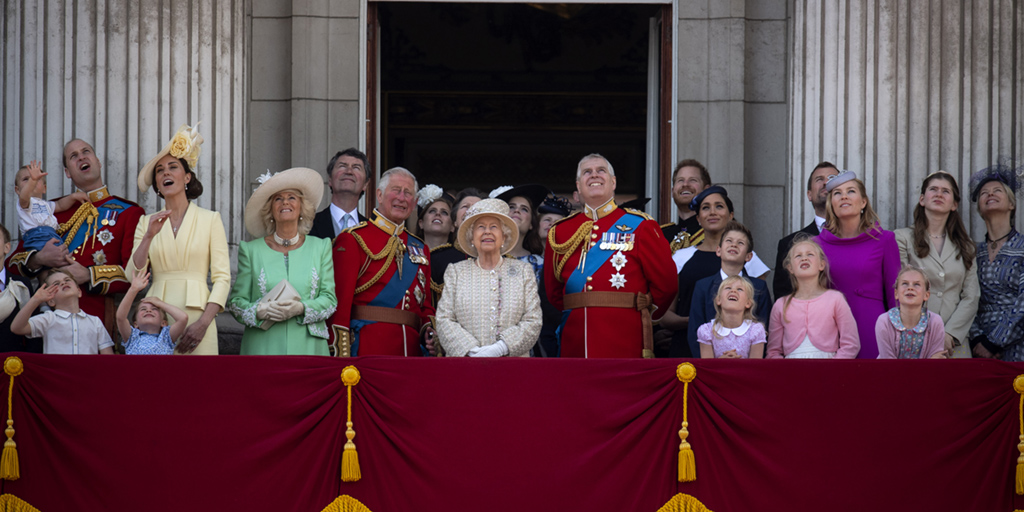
(488, 208)
(185, 145)
(303, 179)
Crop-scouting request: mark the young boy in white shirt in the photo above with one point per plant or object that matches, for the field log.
(67, 329)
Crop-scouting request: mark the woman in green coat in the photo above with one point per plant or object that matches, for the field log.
(284, 291)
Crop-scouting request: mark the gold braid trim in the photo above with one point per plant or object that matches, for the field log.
(388, 252)
(567, 248)
(87, 214)
(436, 287)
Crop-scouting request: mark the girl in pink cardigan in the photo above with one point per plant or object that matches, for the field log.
(910, 331)
(813, 322)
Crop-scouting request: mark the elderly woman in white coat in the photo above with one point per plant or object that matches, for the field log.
(490, 306)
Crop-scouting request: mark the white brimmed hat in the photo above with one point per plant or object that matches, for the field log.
(185, 145)
(303, 179)
(488, 208)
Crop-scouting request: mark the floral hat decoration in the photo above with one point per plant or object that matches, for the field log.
(303, 179)
(429, 195)
(1002, 173)
(186, 145)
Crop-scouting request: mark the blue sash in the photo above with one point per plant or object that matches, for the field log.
(596, 257)
(110, 210)
(391, 295)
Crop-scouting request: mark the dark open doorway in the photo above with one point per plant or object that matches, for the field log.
(498, 94)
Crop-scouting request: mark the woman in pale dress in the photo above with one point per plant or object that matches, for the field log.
(939, 244)
(183, 245)
(284, 292)
(490, 306)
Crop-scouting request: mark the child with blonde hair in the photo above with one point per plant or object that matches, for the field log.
(910, 331)
(150, 335)
(36, 218)
(734, 333)
(813, 322)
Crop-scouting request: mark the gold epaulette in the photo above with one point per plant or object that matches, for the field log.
(639, 212)
(104, 275)
(357, 226)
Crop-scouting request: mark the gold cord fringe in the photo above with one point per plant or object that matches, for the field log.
(567, 248)
(9, 468)
(1018, 386)
(683, 503)
(686, 372)
(346, 503)
(350, 458)
(12, 503)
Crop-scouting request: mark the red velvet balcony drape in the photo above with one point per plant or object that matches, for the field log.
(266, 433)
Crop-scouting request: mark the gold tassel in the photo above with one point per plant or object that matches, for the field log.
(686, 372)
(683, 503)
(9, 468)
(346, 503)
(12, 503)
(1018, 386)
(350, 458)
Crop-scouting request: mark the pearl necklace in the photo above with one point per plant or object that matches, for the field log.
(286, 242)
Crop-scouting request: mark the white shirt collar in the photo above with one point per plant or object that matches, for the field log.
(337, 214)
(67, 314)
(738, 331)
(819, 221)
(723, 274)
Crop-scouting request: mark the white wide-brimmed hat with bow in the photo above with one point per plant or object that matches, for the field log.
(488, 208)
(303, 179)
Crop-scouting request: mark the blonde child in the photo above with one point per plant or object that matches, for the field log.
(925, 336)
(150, 335)
(813, 322)
(36, 215)
(734, 333)
(66, 329)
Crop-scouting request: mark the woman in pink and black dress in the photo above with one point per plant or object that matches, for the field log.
(864, 258)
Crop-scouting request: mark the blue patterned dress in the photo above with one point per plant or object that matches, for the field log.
(1001, 308)
(146, 344)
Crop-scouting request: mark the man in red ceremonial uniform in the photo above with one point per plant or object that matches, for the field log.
(97, 237)
(610, 270)
(382, 279)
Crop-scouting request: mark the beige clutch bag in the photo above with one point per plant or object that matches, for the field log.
(282, 291)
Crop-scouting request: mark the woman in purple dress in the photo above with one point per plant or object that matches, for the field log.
(864, 258)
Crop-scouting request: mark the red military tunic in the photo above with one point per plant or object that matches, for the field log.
(644, 267)
(364, 267)
(109, 232)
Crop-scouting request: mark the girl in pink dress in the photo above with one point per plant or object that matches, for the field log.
(910, 331)
(734, 333)
(813, 322)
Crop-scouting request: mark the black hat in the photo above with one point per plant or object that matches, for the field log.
(714, 189)
(534, 192)
(555, 204)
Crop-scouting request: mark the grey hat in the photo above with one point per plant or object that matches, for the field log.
(838, 179)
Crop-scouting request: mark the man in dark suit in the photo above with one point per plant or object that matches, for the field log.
(347, 174)
(14, 291)
(689, 178)
(817, 195)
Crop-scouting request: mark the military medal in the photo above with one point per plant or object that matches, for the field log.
(99, 258)
(618, 280)
(416, 255)
(618, 261)
(113, 218)
(105, 222)
(105, 237)
(418, 292)
(421, 277)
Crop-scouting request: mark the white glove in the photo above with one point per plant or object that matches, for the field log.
(496, 349)
(290, 308)
(263, 311)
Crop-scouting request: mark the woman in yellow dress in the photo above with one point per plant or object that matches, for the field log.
(183, 244)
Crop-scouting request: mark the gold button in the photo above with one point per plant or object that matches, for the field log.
(595, 228)
(590, 278)
(592, 244)
(589, 287)
(594, 235)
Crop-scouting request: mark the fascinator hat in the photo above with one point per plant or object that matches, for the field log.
(535, 193)
(490, 207)
(429, 195)
(185, 144)
(303, 179)
(1000, 172)
(715, 189)
(838, 179)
